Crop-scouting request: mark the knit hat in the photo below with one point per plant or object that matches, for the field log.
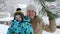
(18, 13)
(31, 7)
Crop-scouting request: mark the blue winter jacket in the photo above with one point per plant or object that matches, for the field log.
(23, 27)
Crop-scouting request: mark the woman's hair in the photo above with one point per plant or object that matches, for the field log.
(35, 14)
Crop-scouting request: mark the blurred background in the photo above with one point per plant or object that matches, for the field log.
(8, 7)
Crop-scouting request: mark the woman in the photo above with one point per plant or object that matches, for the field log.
(37, 22)
(20, 25)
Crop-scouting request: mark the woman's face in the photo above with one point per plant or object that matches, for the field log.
(31, 13)
(18, 17)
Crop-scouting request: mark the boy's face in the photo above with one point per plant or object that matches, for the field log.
(18, 17)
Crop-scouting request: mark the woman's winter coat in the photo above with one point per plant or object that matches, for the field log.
(39, 26)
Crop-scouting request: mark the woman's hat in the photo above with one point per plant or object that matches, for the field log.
(31, 7)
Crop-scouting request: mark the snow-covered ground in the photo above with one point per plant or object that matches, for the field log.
(3, 30)
(56, 32)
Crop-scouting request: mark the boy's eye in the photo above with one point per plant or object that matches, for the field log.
(17, 17)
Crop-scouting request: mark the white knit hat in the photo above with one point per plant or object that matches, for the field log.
(31, 7)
